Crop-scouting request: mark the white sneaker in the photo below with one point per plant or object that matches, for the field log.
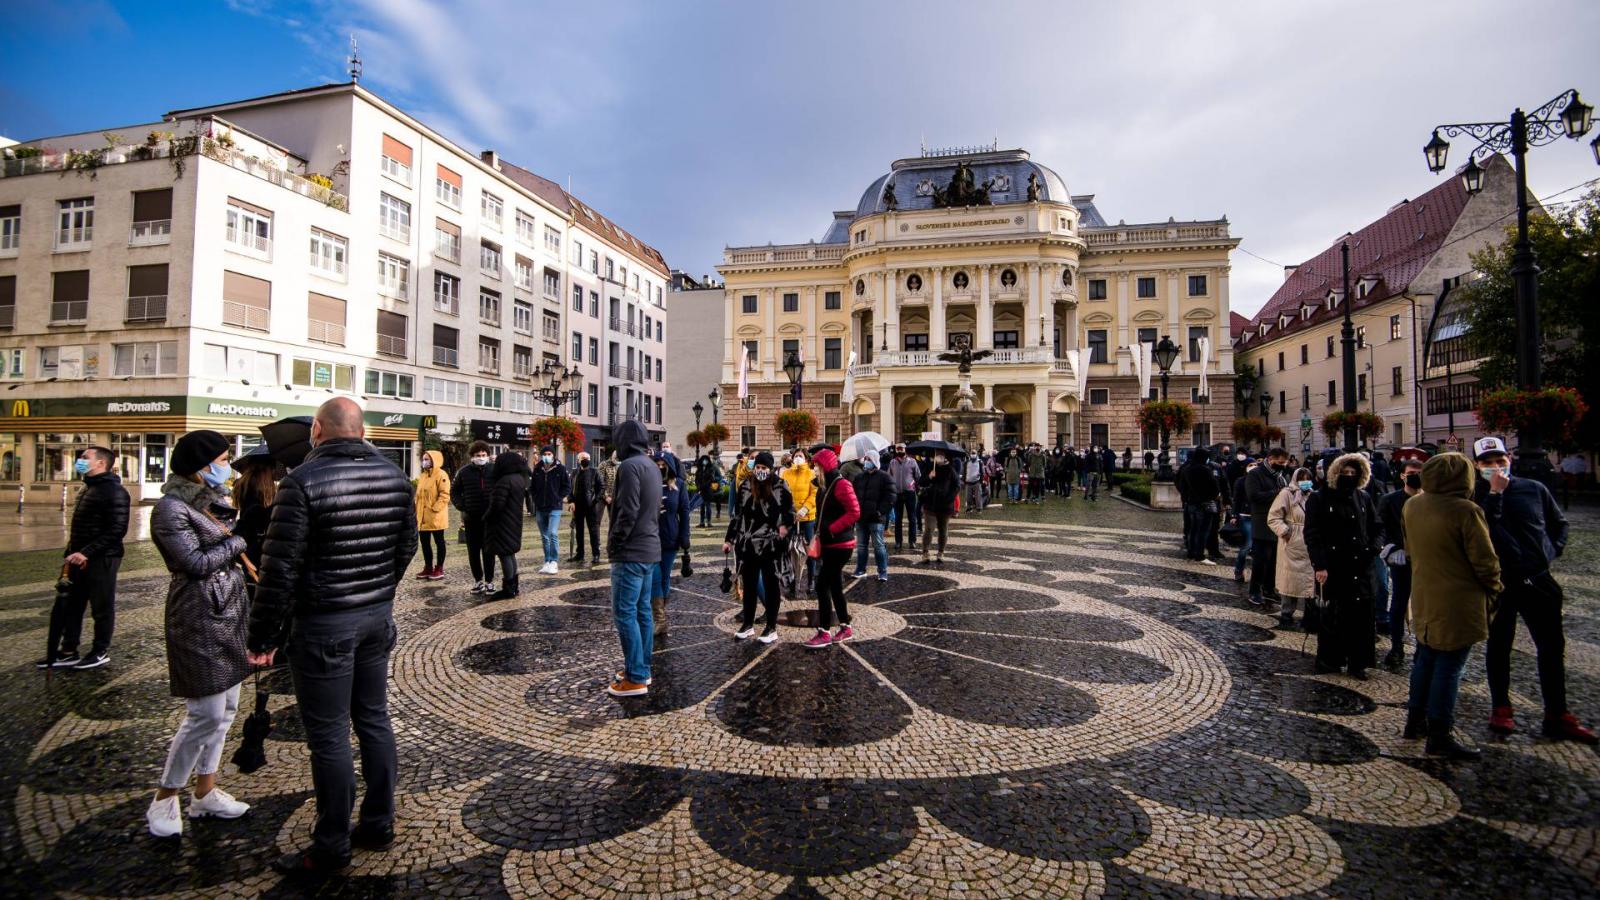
(859, 575)
(163, 818)
(555, 568)
(768, 637)
(218, 803)
(1208, 562)
(744, 634)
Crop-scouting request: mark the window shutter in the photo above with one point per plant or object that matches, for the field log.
(449, 177)
(326, 309)
(449, 228)
(10, 212)
(396, 150)
(71, 285)
(244, 289)
(258, 210)
(152, 206)
(391, 324)
(147, 281)
(444, 337)
(8, 290)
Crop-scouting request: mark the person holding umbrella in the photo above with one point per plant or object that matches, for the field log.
(207, 621)
(255, 486)
(940, 491)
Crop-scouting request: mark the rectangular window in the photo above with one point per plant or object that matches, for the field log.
(833, 353)
(8, 301)
(443, 390)
(328, 253)
(249, 228)
(1099, 434)
(396, 160)
(551, 327)
(1333, 393)
(1097, 289)
(790, 347)
(1361, 337)
(246, 301)
(1099, 396)
(526, 228)
(152, 218)
(1196, 333)
(1282, 401)
(1005, 340)
(594, 304)
(646, 368)
(576, 256)
(392, 333)
(1146, 287)
(325, 319)
(1361, 387)
(492, 209)
(321, 374)
(69, 297)
(394, 218)
(831, 300)
(1305, 354)
(915, 342)
(1396, 382)
(791, 303)
(552, 284)
(447, 188)
(1280, 360)
(521, 360)
(594, 351)
(446, 347)
(489, 356)
(832, 401)
(1197, 285)
(747, 435)
(577, 347)
(831, 434)
(488, 307)
(577, 298)
(394, 277)
(147, 293)
(522, 272)
(390, 384)
(519, 402)
(1097, 345)
(485, 397)
(153, 358)
(522, 317)
(1454, 398)
(1330, 346)
(659, 370)
(1394, 328)
(594, 262)
(749, 304)
(1147, 336)
(11, 227)
(446, 293)
(611, 269)
(552, 240)
(1305, 396)
(75, 226)
(594, 400)
(489, 258)
(753, 350)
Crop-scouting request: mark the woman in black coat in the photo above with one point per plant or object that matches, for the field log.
(939, 490)
(1342, 537)
(758, 531)
(503, 518)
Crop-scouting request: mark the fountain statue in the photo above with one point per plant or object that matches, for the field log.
(964, 416)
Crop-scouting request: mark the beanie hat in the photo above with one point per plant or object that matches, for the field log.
(195, 450)
(548, 448)
(764, 459)
(826, 460)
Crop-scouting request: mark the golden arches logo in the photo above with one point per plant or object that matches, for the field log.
(20, 409)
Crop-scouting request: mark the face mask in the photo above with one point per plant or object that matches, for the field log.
(426, 463)
(1240, 457)
(899, 453)
(1346, 483)
(869, 464)
(1305, 486)
(799, 460)
(216, 474)
(1279, 467)
(480, 460)
(81, 466)
(583, 464)
(750, 465)
(762, 475)
(1414, 481)
(547, 459)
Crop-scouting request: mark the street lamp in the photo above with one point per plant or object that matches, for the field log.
(697, 409)
(1347, 339)
(1524, 130)
(1246, 392)
(795, 368)
(557, 384)
(716, 406)
(1165, 353)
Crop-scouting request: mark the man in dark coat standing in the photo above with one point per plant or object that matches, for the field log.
(343, 531)
(93, 556)
(1261, 487)
(634, 550)
(876, 495)
(502, 521)
(588, 499)
(470, 494)
(1199, 489)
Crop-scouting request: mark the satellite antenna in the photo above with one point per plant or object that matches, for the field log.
(355, 60)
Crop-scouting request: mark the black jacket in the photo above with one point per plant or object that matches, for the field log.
(1526, 525)
(207, 614)
(1342, 533)
(753, 525)
(875, 492)
(1261, 487)
(1197, 483)
(588, 488)
(100, 518)
(502, 520)
(343, 530)
(548, 489)
(469, 492)
(635, 535)
(1389, 517)
(940, 489)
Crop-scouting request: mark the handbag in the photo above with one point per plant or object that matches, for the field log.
(727, 575)
(1231, 533)
(686, 571)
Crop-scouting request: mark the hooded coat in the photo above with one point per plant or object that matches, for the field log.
(433, 495)
(470, 491)
(1455, 573)
(801, 480)
(502, 518)
(635, 535)
(1342, 532)
(673, 523)
(207, 614)
(1293, 576)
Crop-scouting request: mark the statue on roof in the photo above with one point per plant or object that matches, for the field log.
(889, 201)
(963, 189)
(1033, 187)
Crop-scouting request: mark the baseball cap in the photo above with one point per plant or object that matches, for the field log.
(1484, 446)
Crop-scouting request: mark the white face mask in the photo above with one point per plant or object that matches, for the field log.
(480, 460)
(547, 459)
(761, 474)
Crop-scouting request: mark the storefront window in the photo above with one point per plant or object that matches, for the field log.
(141, 457)
(10, 458)
(56, 452)
(397, 452)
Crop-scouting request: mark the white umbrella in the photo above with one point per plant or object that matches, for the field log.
(859, 443)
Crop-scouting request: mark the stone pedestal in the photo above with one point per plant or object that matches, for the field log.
(1164, 495)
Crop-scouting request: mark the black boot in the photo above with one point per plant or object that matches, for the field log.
(1442, 742)
(1416, 725)
(1395, 658)
(508, 590)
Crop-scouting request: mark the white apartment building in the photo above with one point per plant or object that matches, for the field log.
(234, 264)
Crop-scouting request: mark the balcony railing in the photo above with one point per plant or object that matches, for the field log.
(150, 308)
(1009, 356)
(1155, 234)
(623, 326)
(249, 240)
(389, 345)
(444, 356)
(69, 312)
(243, 315)
(447, 303)
(552, 333)
(320, 332)
(74, 238)
(154, 231)
(792, 253)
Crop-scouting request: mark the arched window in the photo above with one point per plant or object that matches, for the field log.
(861, 287)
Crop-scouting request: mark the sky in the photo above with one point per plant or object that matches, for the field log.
(700, 125)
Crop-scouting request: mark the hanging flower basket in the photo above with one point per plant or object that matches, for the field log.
(1367, 424)
(1554, 411)
(795, 426)
(1247, 431)
(1169, 415)
(558, 430)
(1272, 434)
(715, 433)
(695, 439)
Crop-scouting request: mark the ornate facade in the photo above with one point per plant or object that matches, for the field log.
(989, 245)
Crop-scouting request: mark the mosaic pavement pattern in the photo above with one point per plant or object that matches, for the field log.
(1055, 711)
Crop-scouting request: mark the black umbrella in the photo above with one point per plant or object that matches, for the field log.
(57, 622)
(688, 571)
(928, 448)
(252, 752)
(259, 455)
(727, 575)
(288, 440)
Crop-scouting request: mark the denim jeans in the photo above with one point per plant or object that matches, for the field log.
(661, 580)
(550, 532)
(1244, 548)
(340, 664)
(807, 531)
(1200, 519)
(197, 747)
(630, 608)
(1399, 603)
(871, 534)
(1014, 491)
(1380, 593)
(1435, 681)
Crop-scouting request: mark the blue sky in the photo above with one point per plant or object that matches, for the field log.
(702, 124)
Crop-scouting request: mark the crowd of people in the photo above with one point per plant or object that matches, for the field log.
(1455, 547)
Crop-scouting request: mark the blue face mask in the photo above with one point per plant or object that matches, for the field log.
(216, 474)
(1305, 485)
(869, 464)
(81, 466)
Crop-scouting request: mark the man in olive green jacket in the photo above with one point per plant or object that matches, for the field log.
(1455, 577)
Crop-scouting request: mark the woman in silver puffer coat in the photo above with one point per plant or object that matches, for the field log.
(207, 620)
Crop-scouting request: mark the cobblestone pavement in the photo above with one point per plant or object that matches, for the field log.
(1057, 710)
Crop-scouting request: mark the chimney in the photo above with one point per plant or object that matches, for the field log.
(1288, 272)
(491, 158)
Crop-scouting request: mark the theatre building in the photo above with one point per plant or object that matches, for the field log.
(986, 246)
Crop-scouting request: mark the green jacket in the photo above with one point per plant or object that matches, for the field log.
(1455, 574)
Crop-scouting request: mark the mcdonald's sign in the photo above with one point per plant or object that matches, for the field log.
(20, 409)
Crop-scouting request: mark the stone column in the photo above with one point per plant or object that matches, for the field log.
(890, 289)
(985, 335)
(1035, 309)
(933, 393)
(985, 394)
(936, 336)
(880, 315)
(886, 422)
(1174, 317)
(1040, 414)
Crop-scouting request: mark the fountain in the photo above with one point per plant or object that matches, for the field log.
(964, 416)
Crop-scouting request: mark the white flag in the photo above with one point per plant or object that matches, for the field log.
(850, 379)
(1142, 365)
(1080, 372)
(1204, 345)
(744, 373)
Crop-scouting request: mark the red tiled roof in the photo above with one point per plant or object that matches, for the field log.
(1392, 249)
(586, 216)
(1237, 324)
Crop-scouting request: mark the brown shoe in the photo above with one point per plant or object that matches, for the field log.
(625, 688)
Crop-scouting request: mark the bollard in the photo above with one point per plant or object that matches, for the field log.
(20, 495)
(63, 498)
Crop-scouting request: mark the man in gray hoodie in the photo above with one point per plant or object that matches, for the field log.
(633, 548)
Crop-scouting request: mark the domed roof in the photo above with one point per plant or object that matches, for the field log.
(1006, 171)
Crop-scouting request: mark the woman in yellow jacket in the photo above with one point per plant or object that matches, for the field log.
(801, 480)
(433, 513)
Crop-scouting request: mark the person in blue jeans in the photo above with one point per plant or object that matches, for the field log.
(875, 493)
(674, 528)
(1241, 508)
(634, 548)
(549, 487)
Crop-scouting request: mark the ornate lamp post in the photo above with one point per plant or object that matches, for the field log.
(557, 384)
(1524, 130)
(1165, 353)
(1347, 340)
(716, 406)
(1246, 394)
(795, 368)
(697, 409)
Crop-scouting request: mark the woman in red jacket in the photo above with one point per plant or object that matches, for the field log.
(837, 514)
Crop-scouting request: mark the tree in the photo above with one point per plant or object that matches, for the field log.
(795, 426)
(1567, 244)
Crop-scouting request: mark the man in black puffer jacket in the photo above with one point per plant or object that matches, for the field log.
(470, 494)
(93, 555)
(1198, 486)
(343, 531)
